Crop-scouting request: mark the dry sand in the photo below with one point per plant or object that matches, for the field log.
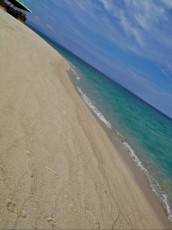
(58, 169)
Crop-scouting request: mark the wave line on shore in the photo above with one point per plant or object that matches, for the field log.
(156, 188)
(94, 109)
(152, 181)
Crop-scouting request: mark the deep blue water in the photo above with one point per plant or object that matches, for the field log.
(146, 132)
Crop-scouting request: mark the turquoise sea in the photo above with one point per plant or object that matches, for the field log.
(144, 131)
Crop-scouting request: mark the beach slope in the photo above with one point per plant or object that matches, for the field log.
(58, 169)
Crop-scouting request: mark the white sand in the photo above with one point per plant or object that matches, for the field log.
(58, 168)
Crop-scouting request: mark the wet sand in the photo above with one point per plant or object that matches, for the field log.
(136, 173)
(58, 168)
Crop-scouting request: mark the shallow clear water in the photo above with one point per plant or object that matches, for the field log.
(145, 132)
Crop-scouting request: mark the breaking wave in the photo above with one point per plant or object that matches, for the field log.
(94, 109)
(153, 183)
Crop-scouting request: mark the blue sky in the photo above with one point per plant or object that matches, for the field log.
(129, 40)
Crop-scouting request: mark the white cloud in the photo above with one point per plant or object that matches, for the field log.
(167, 3)
(107, 4)
(141, 26)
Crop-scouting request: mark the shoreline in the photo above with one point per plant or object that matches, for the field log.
(139, 177)
(136, 173)
(58, 167)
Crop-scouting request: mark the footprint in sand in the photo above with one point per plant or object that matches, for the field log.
(11, 206)
(51, 221)
(97, 225)
(22, 213)
(95, 221)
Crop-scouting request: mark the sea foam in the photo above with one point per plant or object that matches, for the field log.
(152, 181)
(73, 69)
(94, 109)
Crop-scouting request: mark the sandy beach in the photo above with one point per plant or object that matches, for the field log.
(58, 168)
